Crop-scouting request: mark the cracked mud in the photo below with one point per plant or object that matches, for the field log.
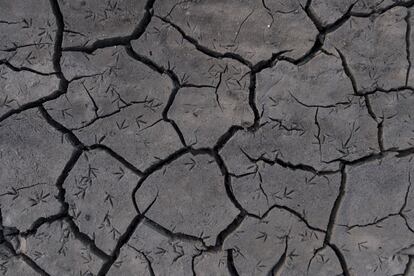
(236, 137)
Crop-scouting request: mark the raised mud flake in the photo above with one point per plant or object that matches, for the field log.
(395, 111)
(89, 21)
(120, 76)
(97, 191)
(11, 265)
(310, 195)
(111, 80)
(374, 49)
(22, 87)
(267, 142)
(294, 102)
(160, 115)
(291, 128)
(78, 106)
(204, 114)
(191, 197)
(125, 106)
(149, 251)
(320, 81)
(254, 32)
(313, 106)
(378, 187)
(375, 249)
(55, 249)
(164, 44)
(278, 243)
(212, 90)
(32, 156)
(347, 131)
(138, 145)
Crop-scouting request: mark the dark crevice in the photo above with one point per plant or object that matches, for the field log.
(61, 196)
(221, 237)
(343, 103)
(373, 223)
(116, 156)
(313, 16)
(380, 134)
(252, 102)
(329, 28)
(408, 44)
(409, 266)
(17, 47)
(95, 106)
(292, 212)
(369, 108)
(165, 117)
(139, 30)
(362, 160)
(63, 213)
(134, 192)
(223, 139)
(160, 164)
(123, 239)
(241, 25)
(289, 165)
(24, 69)
(147, 259)
(9, 246)
(311, 53)
(86, 240)
(216, 88)
(40, 222)
(176, 87)
(204, 49)
(193, 262)
(110, 114)
(318, 133)
(172, 235)
(268, 63)
(400, 212)
(348, 72)
(278, 266)
(341, 259)
(36, 103)
(379, 11)
(72, 138)
(386, 90)
(379, 122)
(57, 53)
(33, 265)
(227, 182)
(230, 263)
(336, 206)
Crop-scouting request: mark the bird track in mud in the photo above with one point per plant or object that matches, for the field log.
(206, 138)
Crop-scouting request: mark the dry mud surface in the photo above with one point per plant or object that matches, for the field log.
(220, 137)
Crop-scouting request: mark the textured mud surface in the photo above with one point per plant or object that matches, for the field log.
(236, 137)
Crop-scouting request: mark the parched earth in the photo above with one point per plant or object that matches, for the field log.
(206, 137)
